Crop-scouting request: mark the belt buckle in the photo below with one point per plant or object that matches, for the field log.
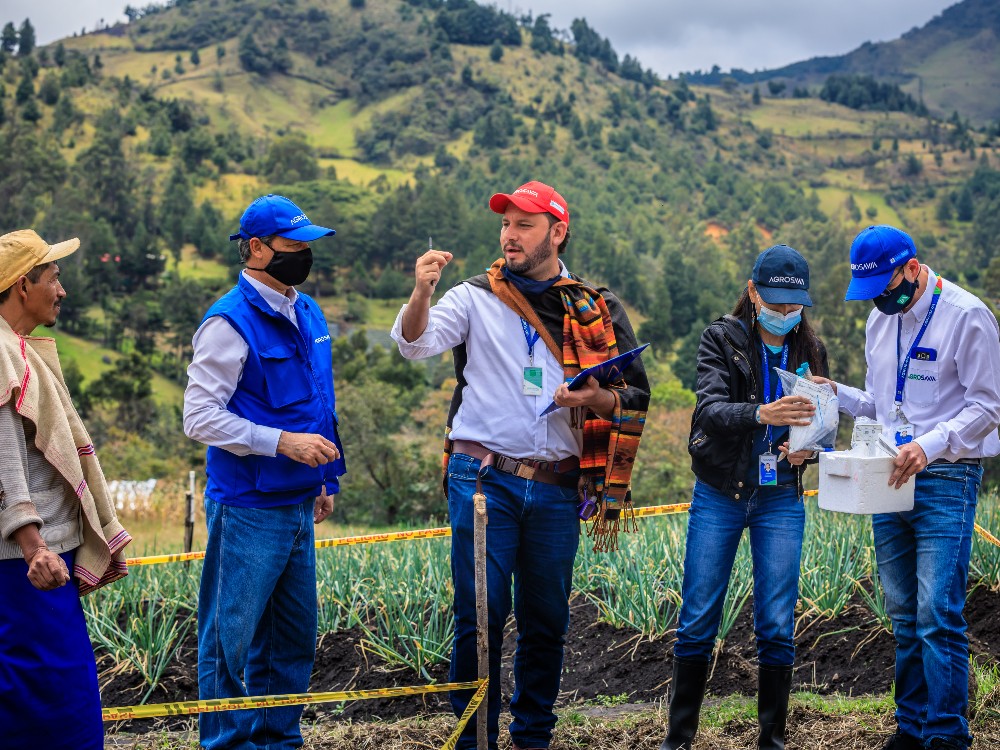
(524, 471)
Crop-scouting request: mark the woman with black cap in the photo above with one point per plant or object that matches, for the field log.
(745, 478)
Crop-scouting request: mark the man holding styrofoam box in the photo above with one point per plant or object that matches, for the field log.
(933, 386)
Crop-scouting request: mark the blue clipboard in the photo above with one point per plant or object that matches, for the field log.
(606, 372)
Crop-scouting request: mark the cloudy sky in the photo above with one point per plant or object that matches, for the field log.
(669, 36)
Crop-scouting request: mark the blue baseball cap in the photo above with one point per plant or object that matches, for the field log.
(275, 214)
(781, 276)
(875, 253)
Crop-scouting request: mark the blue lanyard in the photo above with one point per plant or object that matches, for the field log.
(902, 368)
(767, 381)
(529, 339)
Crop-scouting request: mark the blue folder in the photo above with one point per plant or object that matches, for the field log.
(606, 372)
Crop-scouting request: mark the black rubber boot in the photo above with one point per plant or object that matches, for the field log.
(686, 693)
(900, 741)
(773, 687)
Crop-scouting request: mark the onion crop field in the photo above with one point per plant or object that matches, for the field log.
(385, 619)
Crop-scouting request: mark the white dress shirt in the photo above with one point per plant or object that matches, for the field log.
(215, 371)
(954, 402)
(494, 409)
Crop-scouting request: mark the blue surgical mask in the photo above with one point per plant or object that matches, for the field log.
(776, 323)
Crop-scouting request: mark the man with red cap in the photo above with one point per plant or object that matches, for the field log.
(519, 332)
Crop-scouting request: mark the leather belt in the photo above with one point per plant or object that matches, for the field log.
(562, 473)
(969, 461)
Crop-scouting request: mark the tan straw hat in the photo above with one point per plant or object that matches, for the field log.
(22, 250)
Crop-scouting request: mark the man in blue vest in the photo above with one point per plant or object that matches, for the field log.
(260, 395)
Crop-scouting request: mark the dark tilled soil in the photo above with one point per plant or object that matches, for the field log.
(850, 655)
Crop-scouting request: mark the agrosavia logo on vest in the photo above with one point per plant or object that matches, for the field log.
(922, 376)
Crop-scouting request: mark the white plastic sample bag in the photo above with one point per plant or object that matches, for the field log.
(821, 434)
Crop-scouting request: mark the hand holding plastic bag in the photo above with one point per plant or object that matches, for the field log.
(821, 434)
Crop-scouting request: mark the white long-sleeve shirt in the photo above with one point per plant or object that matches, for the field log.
(494, 410)
(953, 402)
(213, 375)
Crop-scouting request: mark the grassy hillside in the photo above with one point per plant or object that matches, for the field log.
(371, 99)
(395, 121)
(810, 134)
(95, 360)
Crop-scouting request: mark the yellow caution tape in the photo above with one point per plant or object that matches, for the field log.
(184, 708)
(347, 541)
(661, 510)
(987, 535)
(466, 715)
(441, 533)
(160, 559)
(394, 536)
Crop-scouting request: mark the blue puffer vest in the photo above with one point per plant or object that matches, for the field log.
(287, 383)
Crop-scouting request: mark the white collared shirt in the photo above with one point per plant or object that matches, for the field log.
(494, 409)
(953, 400)
(215, 371)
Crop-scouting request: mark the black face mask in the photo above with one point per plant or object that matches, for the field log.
(290, 269)
(899, 298)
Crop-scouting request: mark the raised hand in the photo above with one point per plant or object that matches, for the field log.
(427, 272)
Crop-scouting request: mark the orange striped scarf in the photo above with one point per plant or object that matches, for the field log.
(609, 446)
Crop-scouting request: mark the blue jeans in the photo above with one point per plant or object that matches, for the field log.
(923, 563)
(776, 519)
(532, 535)
(256, 621)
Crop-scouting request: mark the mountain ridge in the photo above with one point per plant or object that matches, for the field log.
(951, 63)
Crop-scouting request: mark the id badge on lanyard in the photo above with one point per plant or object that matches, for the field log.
(902, 430)
(531, 382)
(531, 377)
(767, 465)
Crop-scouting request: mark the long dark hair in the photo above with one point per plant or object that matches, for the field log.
(803, 343)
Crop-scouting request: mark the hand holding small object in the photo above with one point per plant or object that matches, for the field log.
(427, 272)
(797, 458)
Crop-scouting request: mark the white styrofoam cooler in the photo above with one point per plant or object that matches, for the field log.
(850, 483)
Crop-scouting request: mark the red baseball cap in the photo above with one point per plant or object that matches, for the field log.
(535, 198)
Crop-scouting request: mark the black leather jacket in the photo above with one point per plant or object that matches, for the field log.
(729, 390)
